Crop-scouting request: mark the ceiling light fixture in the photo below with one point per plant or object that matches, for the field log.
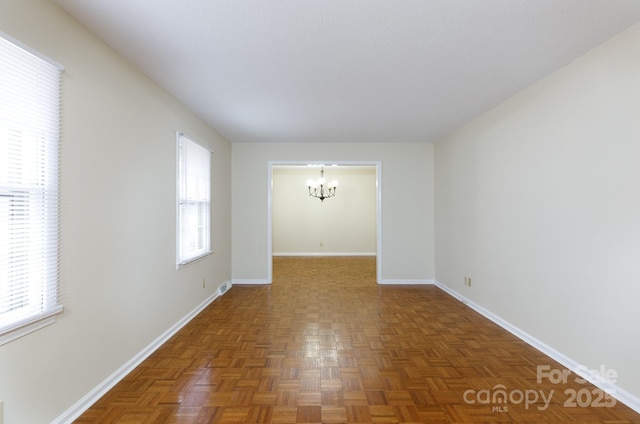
(320, 189)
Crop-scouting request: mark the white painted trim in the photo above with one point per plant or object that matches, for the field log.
(618, 393)
(29, 50)
(379, 234)
(30, 325)
(240, 282)
(269, 222)
(406, 282)
(623, 396)
(107, 384)
(324, 253)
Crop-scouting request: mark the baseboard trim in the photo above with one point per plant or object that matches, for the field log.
(614, 390)
(324, 254)
(242, 281)
(107, 384)
(405, 282)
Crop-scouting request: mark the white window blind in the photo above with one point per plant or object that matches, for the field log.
(29, 140)
(194, 192)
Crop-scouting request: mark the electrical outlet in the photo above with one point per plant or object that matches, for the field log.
(467, 281)
(321, 244)
(204, 284)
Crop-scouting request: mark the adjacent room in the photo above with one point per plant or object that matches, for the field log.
(167, 252)
(305, 221)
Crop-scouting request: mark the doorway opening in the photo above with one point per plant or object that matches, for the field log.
(301, 225)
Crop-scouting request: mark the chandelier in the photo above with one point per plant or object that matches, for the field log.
(320, 189)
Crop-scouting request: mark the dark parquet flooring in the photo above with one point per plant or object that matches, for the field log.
(325, 344)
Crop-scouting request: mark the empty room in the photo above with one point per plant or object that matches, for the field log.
(374, 211)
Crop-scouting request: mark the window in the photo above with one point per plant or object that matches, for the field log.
(194, 176)
(29, 139)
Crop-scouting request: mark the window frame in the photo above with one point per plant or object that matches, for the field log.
(32, 199)
(202, 230)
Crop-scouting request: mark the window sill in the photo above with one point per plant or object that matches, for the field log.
(192, 260)
(30, 325)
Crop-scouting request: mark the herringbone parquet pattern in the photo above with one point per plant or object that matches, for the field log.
(325, 344)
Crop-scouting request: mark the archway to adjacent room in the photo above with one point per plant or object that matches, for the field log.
(303, 221)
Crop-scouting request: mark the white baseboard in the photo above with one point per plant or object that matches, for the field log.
(324, 254)
(242, 281)
(409, 282)
(618, 393)
(90, 398)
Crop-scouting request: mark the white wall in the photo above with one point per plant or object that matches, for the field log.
(120, 286)
(407, 207)
(538, 201)
(345, 224)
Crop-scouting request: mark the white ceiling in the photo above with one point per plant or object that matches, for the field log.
(348, 70)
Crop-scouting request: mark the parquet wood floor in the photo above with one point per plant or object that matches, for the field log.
(325, 344)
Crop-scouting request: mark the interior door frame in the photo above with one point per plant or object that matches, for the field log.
(376, 164)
